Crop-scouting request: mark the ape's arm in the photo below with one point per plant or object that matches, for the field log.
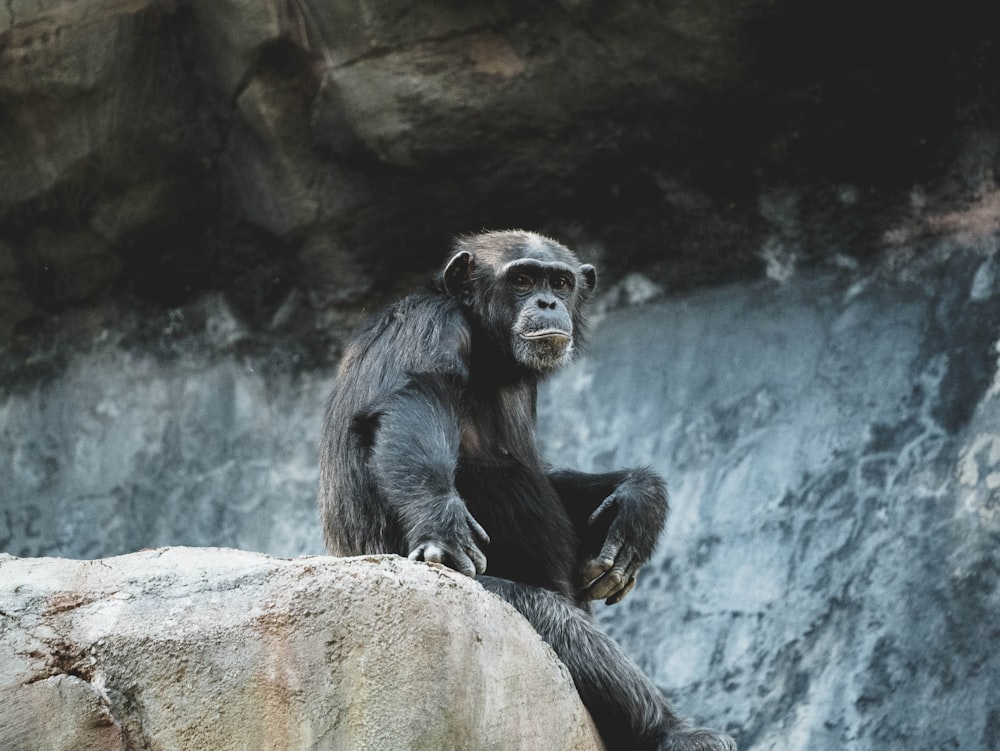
(618, 517)
(414, 454)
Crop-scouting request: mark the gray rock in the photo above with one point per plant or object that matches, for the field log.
(199, 198)
(220, 144)
(830, 575)
(131, 450)
(182, 648)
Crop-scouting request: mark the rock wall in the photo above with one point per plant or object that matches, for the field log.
(830, 576)
(207, 648)
(301, 158)
(127, 449)
(795, 213)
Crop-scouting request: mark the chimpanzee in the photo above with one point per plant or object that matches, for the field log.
(428, 451)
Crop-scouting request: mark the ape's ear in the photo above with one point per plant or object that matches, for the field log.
(457, 273)
(589, 275)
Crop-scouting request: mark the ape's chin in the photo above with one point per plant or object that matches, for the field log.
(543, 354)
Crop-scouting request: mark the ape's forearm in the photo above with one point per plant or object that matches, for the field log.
(413, 458)
(415, 449)
(583, 492)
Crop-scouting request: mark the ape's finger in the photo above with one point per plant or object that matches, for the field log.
(477, 557)
(435, 553)
(469, 561)
(606, 504)
(620, 594)
(478, 531)
(427, 551)
(629, 576)
(606, 585)
(597, 567)
(617, 580)
(604, 560)
(464, 564)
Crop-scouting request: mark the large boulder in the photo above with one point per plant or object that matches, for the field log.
(184, 648)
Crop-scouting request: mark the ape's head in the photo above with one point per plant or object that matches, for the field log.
(526, 291)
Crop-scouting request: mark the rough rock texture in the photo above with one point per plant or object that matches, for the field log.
(198, 197)
(198, 648)
(127, 450)
(300, 156)
(830, 576)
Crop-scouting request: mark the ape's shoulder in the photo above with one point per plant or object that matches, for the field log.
(426, 332)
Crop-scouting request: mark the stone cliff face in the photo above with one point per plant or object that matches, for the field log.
(795, 214)
(829, 577)
(302, 158)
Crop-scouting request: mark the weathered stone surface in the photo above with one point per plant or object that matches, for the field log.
(830, 576)
(131, 451)
(183, 648)
(199, 145)
(198, 198)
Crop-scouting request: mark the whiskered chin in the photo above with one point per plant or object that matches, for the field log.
(544, 349)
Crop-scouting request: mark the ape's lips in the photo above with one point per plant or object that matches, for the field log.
(547, 334)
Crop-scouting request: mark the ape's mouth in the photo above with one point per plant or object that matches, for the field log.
(556, 334)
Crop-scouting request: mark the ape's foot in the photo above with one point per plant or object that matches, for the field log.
(698, 739)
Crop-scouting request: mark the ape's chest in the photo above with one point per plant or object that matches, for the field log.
(498, 426)
(531, 537)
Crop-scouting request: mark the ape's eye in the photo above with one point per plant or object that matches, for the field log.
(522, 281)
(561, 283)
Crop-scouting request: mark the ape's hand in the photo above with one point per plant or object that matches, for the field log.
(455, 541)
(612, 574)
(637, 510)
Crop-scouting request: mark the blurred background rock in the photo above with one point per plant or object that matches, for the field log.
(794, 208)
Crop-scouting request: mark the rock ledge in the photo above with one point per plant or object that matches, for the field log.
(213, 648)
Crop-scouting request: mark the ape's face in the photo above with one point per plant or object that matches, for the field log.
(526, 291)
(541, 294)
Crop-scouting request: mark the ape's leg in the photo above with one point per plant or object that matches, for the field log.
(628, 709)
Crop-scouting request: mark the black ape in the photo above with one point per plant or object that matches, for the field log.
(429, 451)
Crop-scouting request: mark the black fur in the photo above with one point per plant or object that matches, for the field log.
(429, 451)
